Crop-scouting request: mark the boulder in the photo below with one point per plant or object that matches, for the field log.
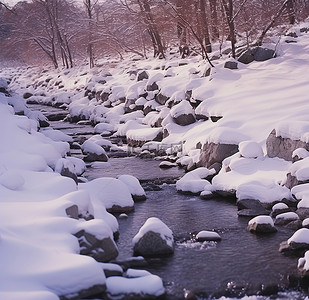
(142, 75)
(250, 208)
(93, 152)
(297, 244)
(231, 65)
(279, 208)
(205, 235)
(102, 250)
(285, 218)
(257, 54)
(90, 292)
(153, 239)
(303, 212)
(161, 99)
(261, 225)
(215, 153)
(278, 146)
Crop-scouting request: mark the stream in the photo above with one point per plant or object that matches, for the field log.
(241, 263)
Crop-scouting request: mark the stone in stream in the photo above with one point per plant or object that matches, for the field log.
(93, 152)
(101, 249)
(153, 239)
(261, 225)
(297, 244)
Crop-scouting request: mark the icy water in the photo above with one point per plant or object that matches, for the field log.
(242, 263)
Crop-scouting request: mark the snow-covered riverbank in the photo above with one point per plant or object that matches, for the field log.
(223, 121)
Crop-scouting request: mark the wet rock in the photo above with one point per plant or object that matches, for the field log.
(250, 204)
(96, 290)
(132, 262)
(153, 239)
(279, 208)
(215, 153)
(297, 244)
(285, 218)
(261, 225)
(102, 250)
(278, 146)
(205, 235)
(269, 289)
(117, 209)
(295, 225)
(111, 269)
(189, 295)
(303, 213)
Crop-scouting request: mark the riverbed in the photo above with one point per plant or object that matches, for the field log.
(241, 263)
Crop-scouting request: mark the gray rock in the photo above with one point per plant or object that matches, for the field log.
(67, 173)
(292, 181)
(231, 65)
(95, 290)
(142, 75)
(91, 157)
(27, 95)
(152, 244)
(283, 147)
(262, 54)
(117, 209)
(293, 249)
(161, 99)
(101, 250)
(303, 213)
(72, 211)
(248, 212)
(261, 228)
(215, 153)
(152, 87)
(246, 57)
(250, 204)
(185, 119)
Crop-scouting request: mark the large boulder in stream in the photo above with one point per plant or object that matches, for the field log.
(153, 239)
(297, 244)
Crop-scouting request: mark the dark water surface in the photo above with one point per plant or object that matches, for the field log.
(241, 263)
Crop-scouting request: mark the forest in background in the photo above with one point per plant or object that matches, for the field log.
(67, 33)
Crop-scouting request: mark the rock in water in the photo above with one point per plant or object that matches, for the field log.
(261, 224)
(153, 239)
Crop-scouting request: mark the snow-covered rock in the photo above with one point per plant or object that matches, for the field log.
(93, 152)
(134, 187)
(261, 224)
(110, 193)
(183, 113)
(285, 218)
(206, 235)
(145, 287)
(194, 182)
(297, 244)
(250, 149)
(153, 239)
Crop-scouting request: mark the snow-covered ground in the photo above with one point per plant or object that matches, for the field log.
(175, 106)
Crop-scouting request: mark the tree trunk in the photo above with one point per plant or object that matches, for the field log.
(204, 23)
(291, 11)
(152, 29)
(214, 19)
(228, 10)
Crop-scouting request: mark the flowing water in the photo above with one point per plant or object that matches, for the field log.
(241, 263)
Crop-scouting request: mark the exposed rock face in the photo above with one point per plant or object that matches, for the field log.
(215, 153)
(101, 250)
(277, 146)
(91, 157)
(152, 244)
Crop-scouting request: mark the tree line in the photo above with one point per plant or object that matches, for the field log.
(66, 32)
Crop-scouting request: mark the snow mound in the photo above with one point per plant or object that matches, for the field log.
(250, 149)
